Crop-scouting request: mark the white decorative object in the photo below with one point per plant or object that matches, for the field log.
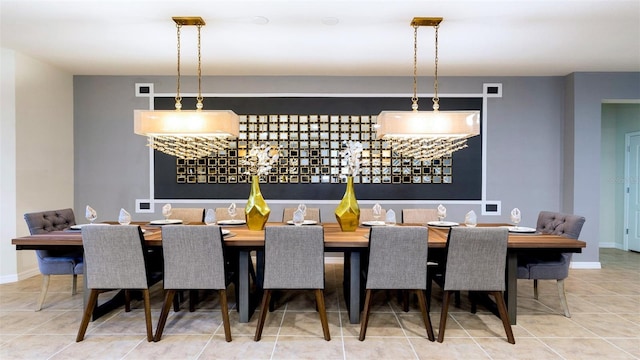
(351, 158)
(124, 218)
(471, 219)
(391, 218)
(298, 218)
(303, 208)
(232, 211)
(91, 214)
(259, 160)
(210, 217)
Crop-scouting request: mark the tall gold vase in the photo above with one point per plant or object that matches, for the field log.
(257, 210)
(348, 211)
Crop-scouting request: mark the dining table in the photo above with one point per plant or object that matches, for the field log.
(353, 244)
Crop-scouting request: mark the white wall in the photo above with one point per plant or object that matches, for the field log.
(43, 166)
(8, 259)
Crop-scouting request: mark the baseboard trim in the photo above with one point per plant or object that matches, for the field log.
(5, 279)
(610, 245)
(586, 265)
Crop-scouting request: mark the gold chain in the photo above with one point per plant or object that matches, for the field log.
(199, 98)
(414, 99)
(178, 97)
(436, 99)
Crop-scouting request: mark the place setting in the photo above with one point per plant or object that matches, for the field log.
(442, 214)
(232, 211)
(299, 217)
(166, 212)
(516, 217)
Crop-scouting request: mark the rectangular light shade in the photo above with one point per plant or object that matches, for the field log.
(428, 124)
(186, 122)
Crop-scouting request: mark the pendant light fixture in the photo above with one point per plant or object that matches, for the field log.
(427, 135)
(187, 134)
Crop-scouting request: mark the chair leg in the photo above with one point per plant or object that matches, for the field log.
(127, 301)
(535, 289)
(176, 302)
(405, 300)
(224, 309)
(147, 314)
(43, 291)
(323, 313)
(263, 314)
(563, 298)
(364, 321)
(168, 300)
(425, 315)
(193, 300)
(502, 310)
(88, 311)
(443, 315)
(74, 284)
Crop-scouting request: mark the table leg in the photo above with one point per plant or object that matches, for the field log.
(243, 291)
(354, 287)
(511, 293)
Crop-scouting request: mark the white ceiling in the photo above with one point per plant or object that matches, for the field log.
(477, 38)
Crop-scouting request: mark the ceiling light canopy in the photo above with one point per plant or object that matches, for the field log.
(187, 134)
(427, 135)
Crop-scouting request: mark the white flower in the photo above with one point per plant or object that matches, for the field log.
(351, 158)
(259, 161)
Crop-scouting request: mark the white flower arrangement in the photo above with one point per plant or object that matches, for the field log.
(259, 161)
(351, 158)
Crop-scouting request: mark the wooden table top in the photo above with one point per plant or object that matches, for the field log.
(334, 238)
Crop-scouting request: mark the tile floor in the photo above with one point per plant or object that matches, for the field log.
(605, 324)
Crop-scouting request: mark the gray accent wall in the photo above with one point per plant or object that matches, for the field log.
(540, 135)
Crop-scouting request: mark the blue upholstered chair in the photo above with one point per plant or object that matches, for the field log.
(397, 260)
(293, 259)
(548, 265)
(476, 261)
(114, 260)
(54, 262)
(193, 259)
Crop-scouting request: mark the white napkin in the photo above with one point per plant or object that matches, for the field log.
(377, 210)
(515, 216)
(391, 217)
(210, 217)
(298, 217)
(166, 210)
(303, 208)
(442, 212)
(91, 214)
(124, 218)
(471, 219)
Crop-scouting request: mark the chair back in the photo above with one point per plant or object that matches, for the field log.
(312, 214)
(476, 259)
(47, 221)
(223, 214)
(193, 257)
(366, 214)
(113, 257)
(294, 257)
(419, 216)
(566, 225)
(188, 215)
(397, 257)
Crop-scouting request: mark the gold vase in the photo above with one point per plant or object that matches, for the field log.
(348, 211)
(257, 211)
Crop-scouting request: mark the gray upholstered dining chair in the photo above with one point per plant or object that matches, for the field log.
(293, 259)
(114, 260)
(55, 262)
(188, 215)
(419, 216)
(476, 261)
(193, 260)
(549, 265)
(312, 214)
(397, 260)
